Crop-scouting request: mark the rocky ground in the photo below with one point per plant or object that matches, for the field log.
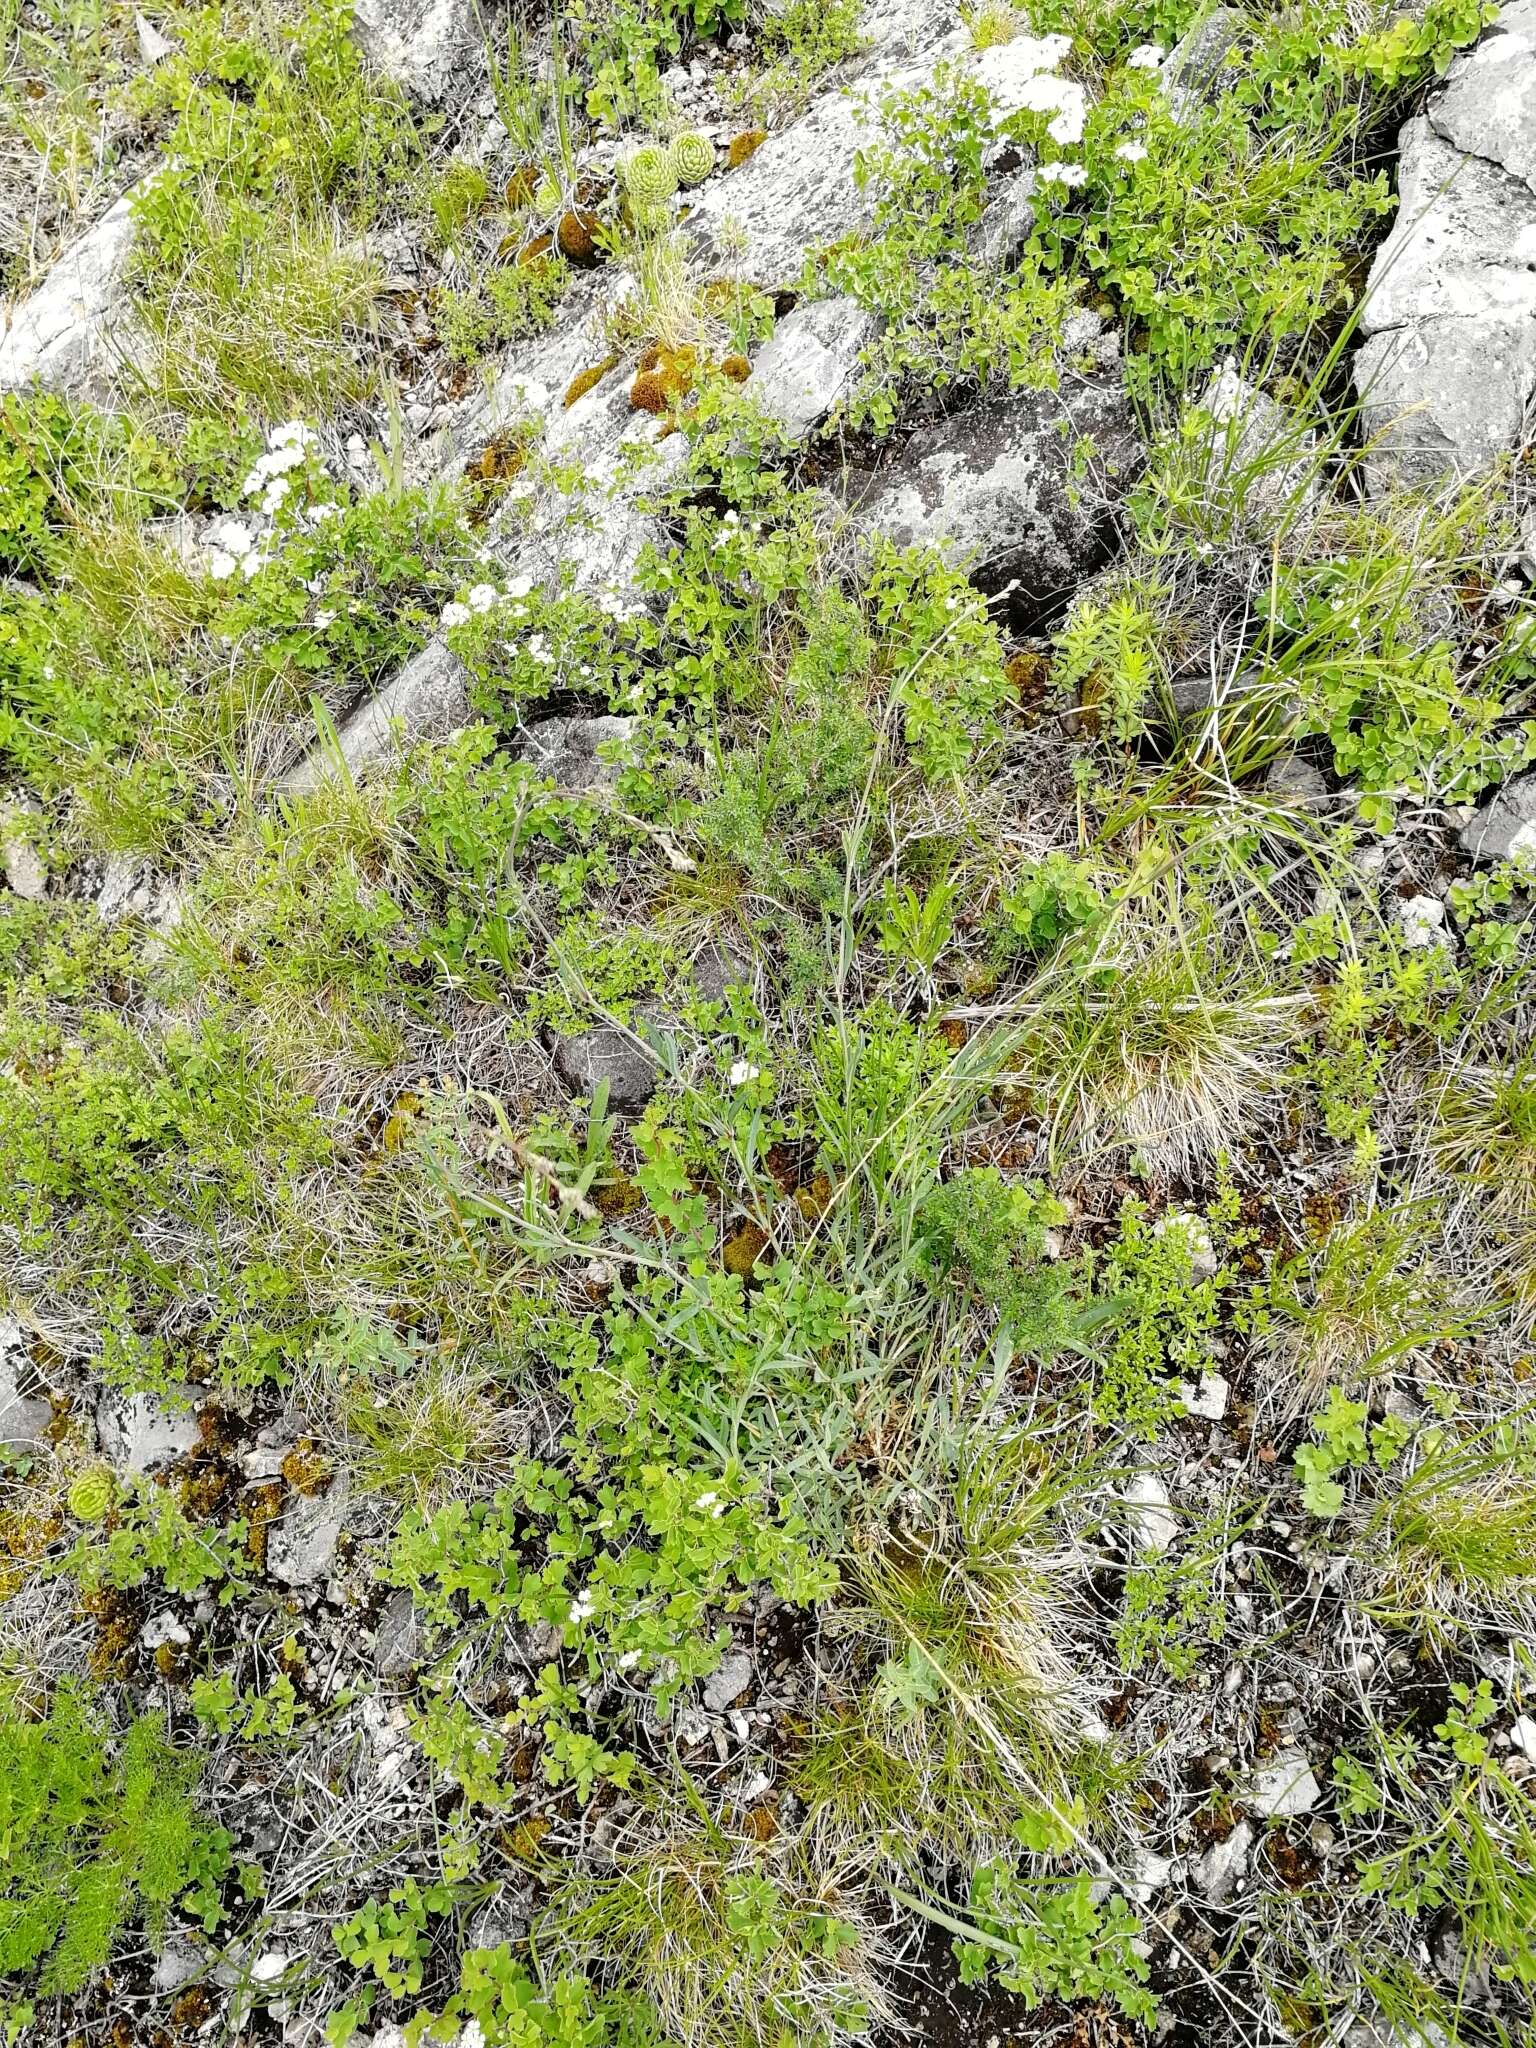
(767, 1127)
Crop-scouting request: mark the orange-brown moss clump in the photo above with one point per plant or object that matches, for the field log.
(522, 185)
(584, 380)
(665, 375)
(737, 368)
(536, 250)
(745, 146)
(575, 235)
(648, 393)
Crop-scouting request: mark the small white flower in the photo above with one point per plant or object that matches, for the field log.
(705, 1500)
(1061, 174)
(582, 1608)
(741, 1073)
(273, 496)
(520, 586)
(482, 597)
(1146, 57)
(291, 434)
(1067, 127)
(221, 566)
(456, 615)
(629, 1660)
(253, 563)
(318, 514)
(324, 619)
(1131, 152)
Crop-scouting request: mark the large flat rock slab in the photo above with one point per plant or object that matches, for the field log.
(1448, 369)
(71, 334)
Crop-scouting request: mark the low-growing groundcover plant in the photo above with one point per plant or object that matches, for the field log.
(848, 1358)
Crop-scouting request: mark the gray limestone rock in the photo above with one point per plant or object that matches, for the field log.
(612, 1053)
(301, 1545)
(1449, 365)
(1019, 491)
(24, 1418)
(25, 873)
(421, 44)
(429, 696)
(1504, 827)
(140, 1431)
(622, 1055)
(397, 1639)
(566, 750)
(1295, 780)
(1197, 69)
(1005, 226)
(809, 362)
(73, 331)
(1488, 107)
(798, 192)
(1150, 1521)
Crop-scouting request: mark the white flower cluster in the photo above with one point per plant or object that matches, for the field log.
(485, 597)
(234, 545)
(1022, 77)
(1064, 99)
(267, 478)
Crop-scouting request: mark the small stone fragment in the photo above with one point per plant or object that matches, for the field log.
(1209, 1399)
(1284, 1788)
(1217, 1872)
(567, 750)
(1150, 1522)
(25, 873)
(1197, 69)
(1422, 919)
(1504, 827)
(397, 1638)
(301, 1546)
(723, 1687)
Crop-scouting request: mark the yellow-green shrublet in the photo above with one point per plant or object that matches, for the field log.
(92, 1495)
(693, 157)
(650, 176)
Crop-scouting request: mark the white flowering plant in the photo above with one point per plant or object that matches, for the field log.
(523, 641)
(323, 582)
